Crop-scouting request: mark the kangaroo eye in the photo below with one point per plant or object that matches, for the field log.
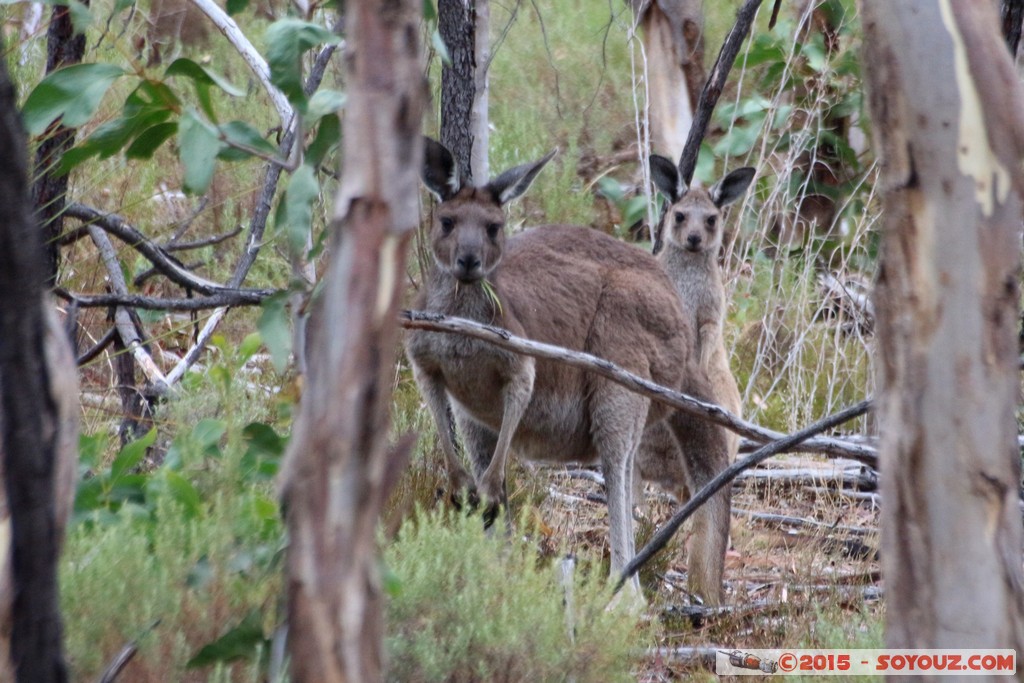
(680, 216)
(447, 224)
(493, 229)
(711, 221)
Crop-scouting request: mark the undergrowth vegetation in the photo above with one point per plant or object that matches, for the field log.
(177, 541)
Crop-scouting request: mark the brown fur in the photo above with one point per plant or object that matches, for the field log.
(576, 288)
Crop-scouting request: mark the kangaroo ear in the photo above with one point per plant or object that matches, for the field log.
(666, 177)
(731, 187)
(515, 181)
(440, 172)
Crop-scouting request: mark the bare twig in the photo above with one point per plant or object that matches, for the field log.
(205, 242)
(506, 340)
(236, 297)
(727, 475)
(97, 348)
(124, 656)
(713, 88)
(117, 226)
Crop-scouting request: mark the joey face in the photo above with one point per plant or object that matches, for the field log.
(468, 235)
(693, 220)
(693, 224)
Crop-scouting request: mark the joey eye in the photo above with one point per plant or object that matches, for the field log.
(447, 224)
(680, 216)
(710, 222)
(493, 229)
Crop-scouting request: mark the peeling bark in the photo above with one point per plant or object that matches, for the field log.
(673, 35)
(947, 302)
(339, 468)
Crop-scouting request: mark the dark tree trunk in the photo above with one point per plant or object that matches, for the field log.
(63, 48)
(37, 395)
(464, 29)
(339, 467)
(943, 98)
(1012, 15)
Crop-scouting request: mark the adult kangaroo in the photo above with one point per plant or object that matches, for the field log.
(579, 289)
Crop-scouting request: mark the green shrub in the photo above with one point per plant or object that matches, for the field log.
(465, 607)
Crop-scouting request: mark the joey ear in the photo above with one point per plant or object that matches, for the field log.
(440, 172)
(665, 175)
(515, 181)
(731, 187)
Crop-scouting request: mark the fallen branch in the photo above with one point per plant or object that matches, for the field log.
(789, 520)
(421, 320)
(866, 480)
(727, 475)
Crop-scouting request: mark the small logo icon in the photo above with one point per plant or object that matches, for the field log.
(743, 660)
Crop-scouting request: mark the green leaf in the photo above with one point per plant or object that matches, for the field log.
(429, 11)
(303, 190)
(328, 135)
(287, 40)
(241, 642)
(132, 454)
(208, 433)
(249, 346)
(265, 447)
(73, 92)
(149, 141)
(244, 135)
(81, 16)
(275, 329)
(183, 493)
(198, 146)
(236, 7)
(203, 79)
(324, 102)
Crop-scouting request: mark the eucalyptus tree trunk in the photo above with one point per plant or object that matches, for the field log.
(464, 26)
(38, 427)
(944, 104)
(673, 35)
(339, 467)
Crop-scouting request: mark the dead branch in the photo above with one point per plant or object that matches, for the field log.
(117, 226)
(713, 88)
(691, 657)
(205, 242)
(506, 340)
(789, 520)
(859, 478)
(727, 475)
(122, 320)
(223, 298)
(97, 348)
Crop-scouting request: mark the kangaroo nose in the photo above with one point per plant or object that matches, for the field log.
(693, 240)
(468, 262)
